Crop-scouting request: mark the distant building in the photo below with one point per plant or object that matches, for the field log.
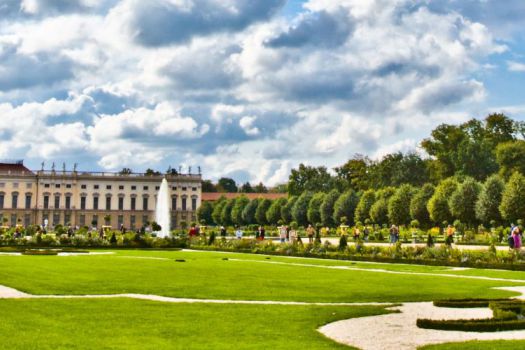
(89, 198)
(214, 196)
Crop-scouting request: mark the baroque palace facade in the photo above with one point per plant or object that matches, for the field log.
(82, 198)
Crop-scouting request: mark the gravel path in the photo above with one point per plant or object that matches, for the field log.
(399, 331)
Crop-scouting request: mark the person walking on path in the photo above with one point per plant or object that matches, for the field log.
(450, 236)
(238, 233)
(393, 234)
(517, 238)
(366, 233)
(282, 233)
(223, 232)
(310, 231)
(262, 233)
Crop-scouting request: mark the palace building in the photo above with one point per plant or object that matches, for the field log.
(81, 198)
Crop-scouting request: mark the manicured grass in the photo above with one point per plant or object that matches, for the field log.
(476, 345)
(206, 275)
(131, 324)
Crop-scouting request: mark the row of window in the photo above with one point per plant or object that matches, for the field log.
(120, 187)
(16, 185)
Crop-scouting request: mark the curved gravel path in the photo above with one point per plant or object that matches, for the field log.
(399, 331)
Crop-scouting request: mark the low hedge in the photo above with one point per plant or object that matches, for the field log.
(466, 303)
(484, 325)
(40, 252)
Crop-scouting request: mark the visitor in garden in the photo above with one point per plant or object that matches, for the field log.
(238, 233)
(282, 233)
(310, 232)
(357, 233)
(261, 233)
(430, 241)
(192, 232)
(450, 236)
(292, 236)
(288, 233)
(366, 233)
(223, 232)
(392, 234)
(517, 238)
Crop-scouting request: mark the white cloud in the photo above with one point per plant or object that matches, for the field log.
(515, 66)
(246, 123)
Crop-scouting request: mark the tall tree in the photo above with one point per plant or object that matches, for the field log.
(418, 205)
(313, 213)
(260, 213)
(208, 186)
(204, 213)
(512, 205)
(248, 213)
(247, 188)
(511, 157)
(345, 207)
(354, 174)
(379, 211)
(362, 212)
(226, 184)
(273, 215)
(487, 206)
(327, 208)
(399, 205)
(286, 210)
(260, 188)
(238, 209)
(437, 206)
(300, 208)
(226, 213)
(308, 178)
(463, 201)
(217, 210)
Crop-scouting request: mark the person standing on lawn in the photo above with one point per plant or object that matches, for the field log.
(310, 231)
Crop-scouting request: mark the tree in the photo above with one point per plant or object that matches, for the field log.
(345, 207)
(308, 178)
(313, 214)
(512, 205)
(208, 186)
(463, 201)
(248, 213)
(362, 211)
(379, 211)
(327, 208)
(247, 188)
(273, 215)
(487, 206)
(397, 169)
(300, 208)
(204, 213)
(354, 174)
(260, 188)
(226, 184)
(217, 210)
(238, 209)
(286, 210)
(260, 213)
(511, 157)
(399, 205)
(443, 143)
(437, 206)
(226, 213)
(418, 205)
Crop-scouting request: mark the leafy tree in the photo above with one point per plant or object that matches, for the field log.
(327, 208)
(208, 186)
(313, 213)
(463, 201)
(345, 207)
(260, 213)
(379, 211)
(204, 213)
(300, 208)
(226, 184)
(286, 210)
(273, 215)
(226, 213)
(437, 206)
(418, 205)
(487, 206)
(443, 143)
(238, 209)
(354, 173)
(217, 210)
(248, 213)
(362, 211)
(511, 157)
(397, 168)
(399, 205)
(260, 188)
(512, 205)
(308, 178)
(247, 188)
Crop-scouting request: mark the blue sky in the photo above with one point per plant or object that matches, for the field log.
(248, 88)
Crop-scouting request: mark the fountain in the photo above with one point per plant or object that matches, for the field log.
(162, 210)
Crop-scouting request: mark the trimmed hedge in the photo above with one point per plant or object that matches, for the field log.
(485, 325)
(466, 303)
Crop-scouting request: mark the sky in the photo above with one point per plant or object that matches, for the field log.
(248, 89)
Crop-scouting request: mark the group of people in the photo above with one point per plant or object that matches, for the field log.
(394, 234)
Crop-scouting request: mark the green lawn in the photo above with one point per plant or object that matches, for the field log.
(137, 324)
(206, 275)
(132, 324)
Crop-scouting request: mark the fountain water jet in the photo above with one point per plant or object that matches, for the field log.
(162, 210)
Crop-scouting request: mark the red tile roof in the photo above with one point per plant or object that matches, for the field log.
(14, 168)
(214, 196)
